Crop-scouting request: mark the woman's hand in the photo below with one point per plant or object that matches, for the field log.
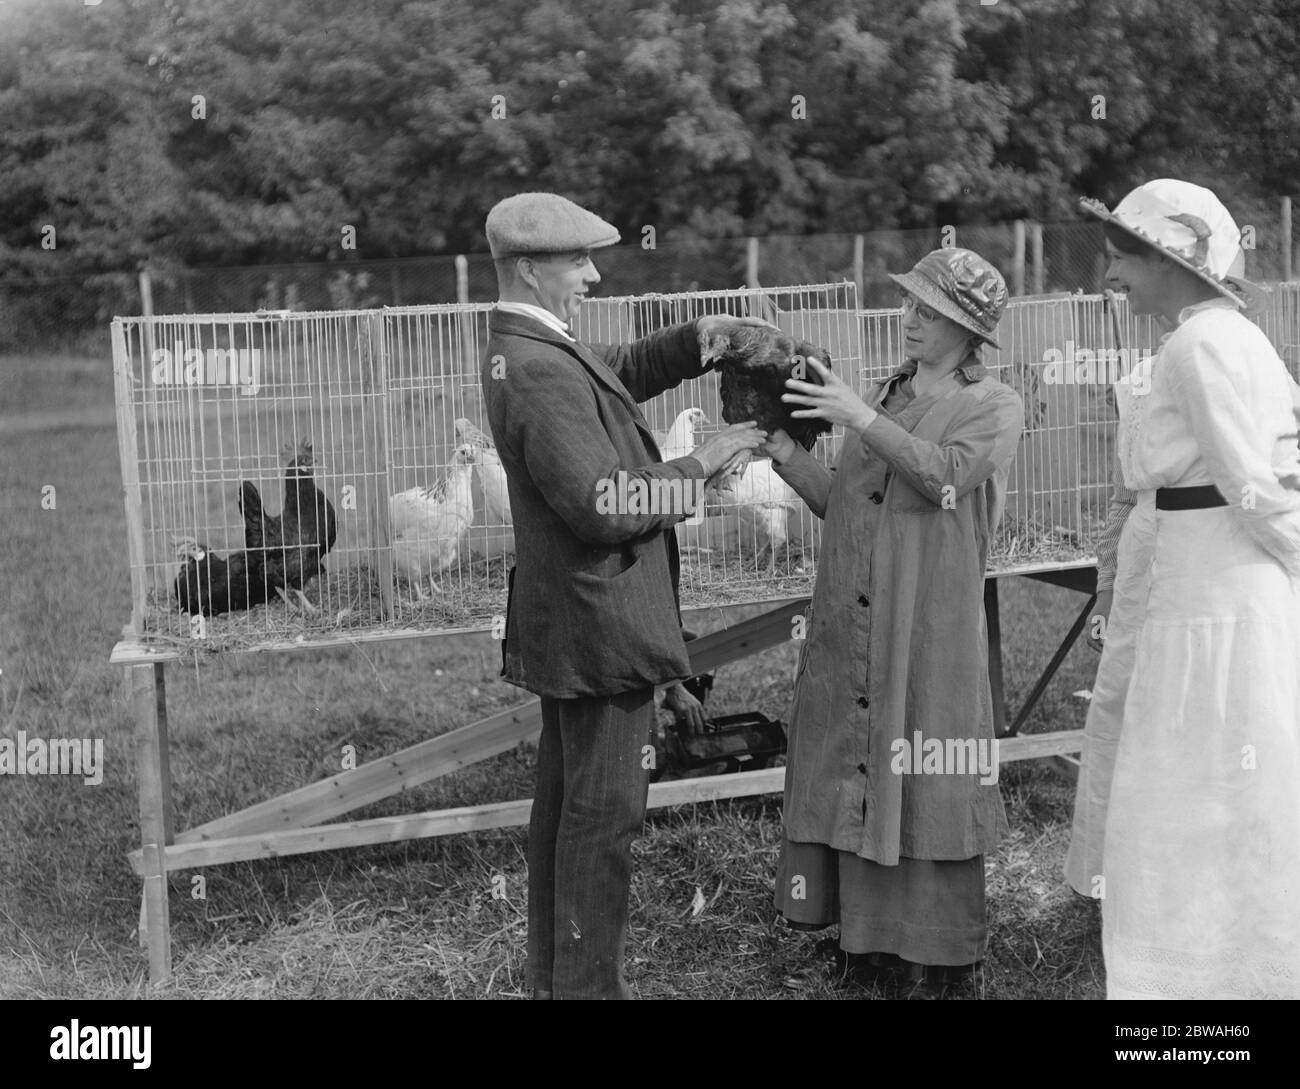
(834, 400)
(1099, 618)
(779, 447)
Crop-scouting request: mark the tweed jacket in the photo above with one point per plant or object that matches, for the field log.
(592, 607)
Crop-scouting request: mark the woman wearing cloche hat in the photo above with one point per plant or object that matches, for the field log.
(1200, 860)
(882, 834)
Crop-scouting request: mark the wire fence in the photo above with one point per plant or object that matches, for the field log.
(66, 311)
(1071, 261)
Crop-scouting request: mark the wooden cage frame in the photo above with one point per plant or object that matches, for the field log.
(292, 823)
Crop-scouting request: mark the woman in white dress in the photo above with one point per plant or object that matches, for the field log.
(1113, 629)
(1201, 866)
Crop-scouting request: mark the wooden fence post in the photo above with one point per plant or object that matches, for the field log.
(1286, 238)
(1018, 257)
(751, 262)
(859, 247)
(462, 278)
(1036, 257)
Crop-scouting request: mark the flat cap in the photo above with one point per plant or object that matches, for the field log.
(544, 223)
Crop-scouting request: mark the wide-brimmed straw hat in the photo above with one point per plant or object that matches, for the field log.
(961, 286)
(1189, 225)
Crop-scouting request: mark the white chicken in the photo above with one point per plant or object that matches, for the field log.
(761, 498)
(496, 492)
(680, 438)
(428, 524)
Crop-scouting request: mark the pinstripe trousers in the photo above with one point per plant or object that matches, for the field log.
(589, 805)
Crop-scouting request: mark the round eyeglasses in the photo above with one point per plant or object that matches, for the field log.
(925, 313)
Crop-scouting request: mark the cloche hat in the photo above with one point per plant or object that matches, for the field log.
(961, 286)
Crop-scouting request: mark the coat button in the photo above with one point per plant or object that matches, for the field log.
(862, 599)
(877, 497)
(862, 768)
(863, 701)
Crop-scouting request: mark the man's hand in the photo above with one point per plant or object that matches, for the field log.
(719, 325)
(779, 446)
(714, 334)
(686, 708)
(834, 400)
(718, 449)
(1099, 618)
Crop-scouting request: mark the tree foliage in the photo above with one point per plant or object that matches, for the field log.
(407, 119)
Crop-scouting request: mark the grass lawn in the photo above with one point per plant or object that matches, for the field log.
(417, 919)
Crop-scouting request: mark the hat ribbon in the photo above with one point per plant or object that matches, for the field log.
(1201, 229)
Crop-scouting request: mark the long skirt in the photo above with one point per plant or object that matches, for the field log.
(927, 912)
(1202, 841)
(1083, 860)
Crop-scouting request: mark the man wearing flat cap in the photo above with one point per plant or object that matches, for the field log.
(592, 621)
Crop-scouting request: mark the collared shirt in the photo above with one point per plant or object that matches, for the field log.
(901, 390)
(972, 369)
(537, 313)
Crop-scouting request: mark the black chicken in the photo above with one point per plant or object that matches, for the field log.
(211, 585)
(289, 547)
(754, 363)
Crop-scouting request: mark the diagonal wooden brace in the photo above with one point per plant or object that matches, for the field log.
(463, 746)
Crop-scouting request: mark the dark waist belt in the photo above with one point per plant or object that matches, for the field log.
(1197, 498)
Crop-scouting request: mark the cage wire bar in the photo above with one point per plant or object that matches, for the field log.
(391, 403)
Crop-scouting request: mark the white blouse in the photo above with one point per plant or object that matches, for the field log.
(1213, 406)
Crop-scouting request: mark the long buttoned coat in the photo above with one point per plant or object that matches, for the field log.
(896, 642)
(592, 607)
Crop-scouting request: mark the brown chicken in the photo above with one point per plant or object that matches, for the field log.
(754, 363)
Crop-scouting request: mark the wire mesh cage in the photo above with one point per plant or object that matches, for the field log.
(756, 540)
(305, 476)
(284, 472)
(1062, 354)
(1280, 320)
